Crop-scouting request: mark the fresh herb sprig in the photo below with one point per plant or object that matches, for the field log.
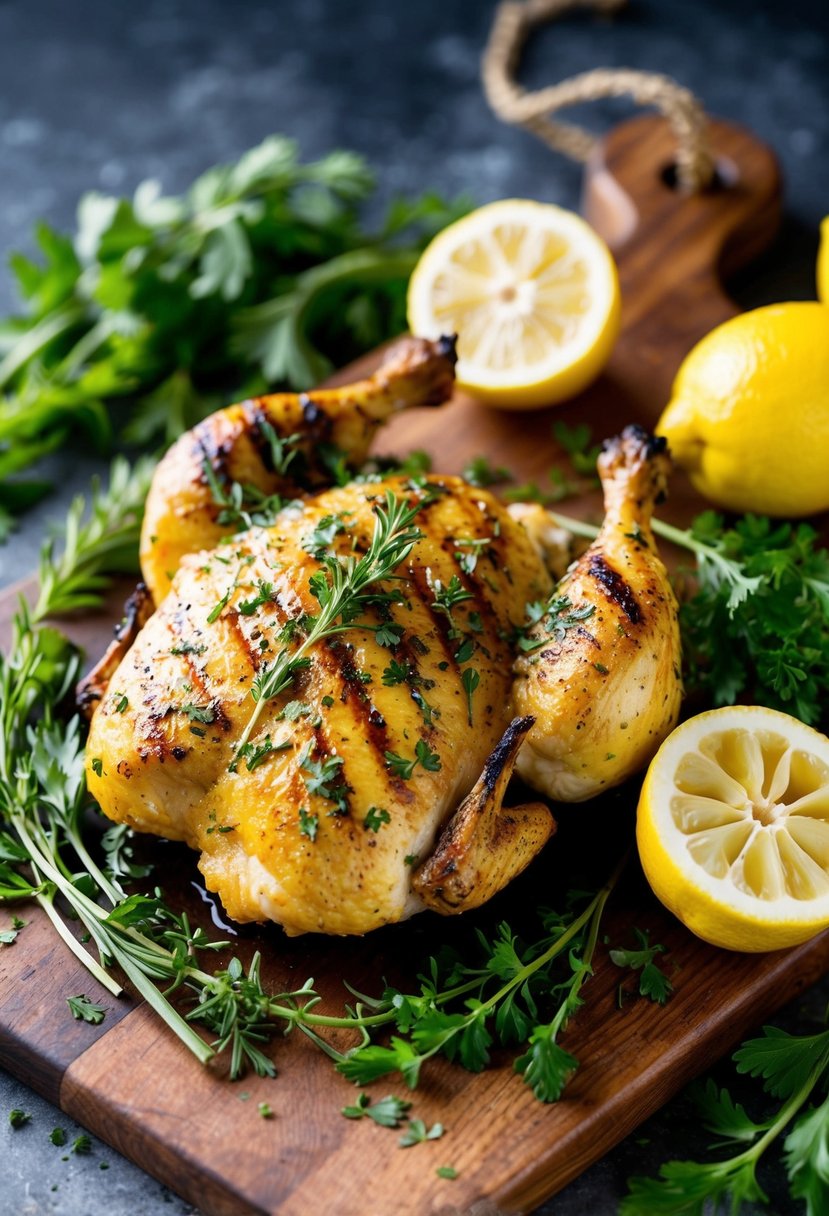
(641, 959)
(97, 542)
(342, 588)
(462, 1008)
(159, 308)
(793, 1069)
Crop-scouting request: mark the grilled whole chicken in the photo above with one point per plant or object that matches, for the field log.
(372, 782)
(320, 821)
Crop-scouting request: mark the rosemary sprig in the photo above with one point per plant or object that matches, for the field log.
(105, 543)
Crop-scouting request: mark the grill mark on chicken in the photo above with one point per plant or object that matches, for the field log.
(217, 454)
(253, 656)
(318, 424)
(338, 660)
(417, 585)
(615, 587)
(256, 419)
(499, 756)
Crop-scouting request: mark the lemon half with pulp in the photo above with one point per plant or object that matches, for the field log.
(733, 828)
(533, 294)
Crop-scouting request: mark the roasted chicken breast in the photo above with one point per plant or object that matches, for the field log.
(350, 775)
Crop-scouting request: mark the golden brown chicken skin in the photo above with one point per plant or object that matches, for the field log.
(283, 444)
(322, 831)
(602, 677)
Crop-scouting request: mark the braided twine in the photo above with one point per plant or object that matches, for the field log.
(515, 19)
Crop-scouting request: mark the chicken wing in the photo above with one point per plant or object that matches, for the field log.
(280, 444)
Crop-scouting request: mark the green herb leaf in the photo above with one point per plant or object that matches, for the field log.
(85, 1010)
(417, 1133)
(375, 818)
(653, 983)
(386, 1112)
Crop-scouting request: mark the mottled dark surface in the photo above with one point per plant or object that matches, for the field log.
(102, 94)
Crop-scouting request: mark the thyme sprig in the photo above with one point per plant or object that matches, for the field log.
(342, 590)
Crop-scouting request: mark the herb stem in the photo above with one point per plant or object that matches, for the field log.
(95, 969)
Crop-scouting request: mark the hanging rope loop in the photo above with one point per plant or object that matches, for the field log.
(515, 20)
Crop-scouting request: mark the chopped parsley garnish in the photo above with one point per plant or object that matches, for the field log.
(121, 702)
(264, 595)
(387, 1112)
(320, 778)
(375, 818)
(320, 540)
(555, 617)
(187, 647)
(396, 673)
(18, 1118)
(199, 713)
(470, 680)
(84, 1010)
(308, 824)
(399, 766)
(417, 1133)
(255, 754)
(98, 766)
(388, 634)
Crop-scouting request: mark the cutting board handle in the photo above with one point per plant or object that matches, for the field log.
(675, 250)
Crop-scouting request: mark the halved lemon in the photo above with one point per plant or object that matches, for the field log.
(733, 828)
(533, 295)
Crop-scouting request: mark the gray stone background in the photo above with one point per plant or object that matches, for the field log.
(102, 93)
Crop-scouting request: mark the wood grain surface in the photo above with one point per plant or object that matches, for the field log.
(132, 1084)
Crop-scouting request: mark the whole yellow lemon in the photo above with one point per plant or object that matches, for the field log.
(748, 417)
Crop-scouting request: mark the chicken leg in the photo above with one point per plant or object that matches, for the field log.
(601, 669)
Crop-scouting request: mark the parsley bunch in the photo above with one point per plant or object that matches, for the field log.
(159, 308)
(758, 626)
(793, 1069)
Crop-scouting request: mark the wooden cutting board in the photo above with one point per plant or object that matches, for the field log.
(133, 1085)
